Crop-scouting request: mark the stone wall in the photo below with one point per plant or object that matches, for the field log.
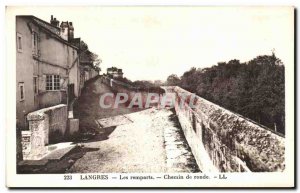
(227, 142)
(120, 87)
(74, 77)
(93, 73)
(51, 98)
(24, 74)
(46, 126)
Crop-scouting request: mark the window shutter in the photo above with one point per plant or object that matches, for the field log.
(42, 83)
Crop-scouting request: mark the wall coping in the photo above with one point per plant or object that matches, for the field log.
(200, 101)
(40, 114)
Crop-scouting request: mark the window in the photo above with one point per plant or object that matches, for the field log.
(19, 42)
(34, 43)
(52, 82)
(22, 91)
(26, 123)
(35, 85)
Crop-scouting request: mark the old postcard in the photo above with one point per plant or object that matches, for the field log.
(150, 96)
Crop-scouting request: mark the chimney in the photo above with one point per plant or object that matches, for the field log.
(54, 21)
(64, 30)
(70, 31)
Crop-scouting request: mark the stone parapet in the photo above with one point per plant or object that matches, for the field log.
(225, 141)
(46, 126)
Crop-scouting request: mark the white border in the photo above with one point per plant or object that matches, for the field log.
(10, 70)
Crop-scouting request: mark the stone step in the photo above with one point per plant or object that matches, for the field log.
(33, 163)
(60, 151)
(113, 121)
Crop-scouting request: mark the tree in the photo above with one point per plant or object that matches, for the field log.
(86, 56)
(254, 89)
(173, 80)
(158, 83)
(96, 61)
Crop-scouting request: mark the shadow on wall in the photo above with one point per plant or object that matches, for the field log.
(88, 110)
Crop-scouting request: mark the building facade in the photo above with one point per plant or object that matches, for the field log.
(87, 71)
(47, 65)
(87, 68)
(114, 72)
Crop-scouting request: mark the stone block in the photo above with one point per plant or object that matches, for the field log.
(60, 150)
(26, 146)
(42, 162)
(42, 124)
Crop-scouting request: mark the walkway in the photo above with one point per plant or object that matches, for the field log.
(129, 140)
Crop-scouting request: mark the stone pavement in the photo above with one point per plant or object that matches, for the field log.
(133, 141)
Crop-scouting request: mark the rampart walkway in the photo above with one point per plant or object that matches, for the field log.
(130, 140)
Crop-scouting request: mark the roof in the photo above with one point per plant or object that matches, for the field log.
(114, 69)
(55, 31)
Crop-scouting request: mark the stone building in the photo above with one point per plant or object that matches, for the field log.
(87, 68)
(114, 72)
(47, 65)
(87, 71)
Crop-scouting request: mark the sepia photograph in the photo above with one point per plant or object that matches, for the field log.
(150, 96)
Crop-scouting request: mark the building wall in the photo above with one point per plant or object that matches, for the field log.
(82, 77)
(116, 75)
(51, 98)
(54, 53)
(87, 72)
(24, 73)
(74, 72)
(54, 58)
(74, 78)
(94, 73)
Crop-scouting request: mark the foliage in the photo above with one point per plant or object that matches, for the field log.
(173, 80)
(142, 85)
(86, 56)
(254, 89)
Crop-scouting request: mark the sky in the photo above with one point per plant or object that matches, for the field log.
(150, 43)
